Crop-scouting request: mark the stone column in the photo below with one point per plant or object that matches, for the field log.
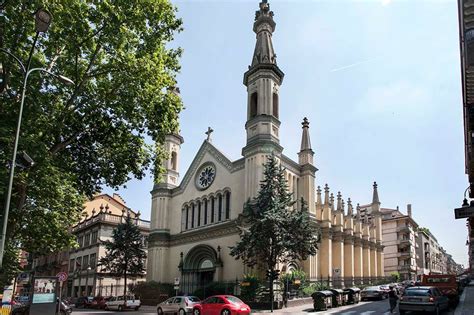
(349, 260)
(325, 253)
(338, 256)
(373, 260)
(366, 259)
(380, 261)
(358, 258)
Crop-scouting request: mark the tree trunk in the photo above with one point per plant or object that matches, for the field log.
(125, 289)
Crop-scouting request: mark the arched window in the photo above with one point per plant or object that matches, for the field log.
(220, 207)
(193, 216)
(253, 104)
(206, 214)
(227, 205)
(174, 161)
(187, 217)
(275, 105)
(199, 214)
(213, 211)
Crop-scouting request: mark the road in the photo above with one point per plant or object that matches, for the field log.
(363, 308)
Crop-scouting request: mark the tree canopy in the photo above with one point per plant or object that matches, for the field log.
(125, 254)
(274, 229)
(95, 133)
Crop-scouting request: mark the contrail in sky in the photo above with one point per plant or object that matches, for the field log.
(352, 65)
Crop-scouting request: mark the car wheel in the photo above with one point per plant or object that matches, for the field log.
(137, 308)
(196, 311)
(120, 308)
(159, 311)
(182, 312)
(225, 312)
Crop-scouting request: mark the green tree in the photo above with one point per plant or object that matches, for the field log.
(273, 230)
(92, 134)
(125, 254)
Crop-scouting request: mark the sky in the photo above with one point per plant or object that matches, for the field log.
(378, 80)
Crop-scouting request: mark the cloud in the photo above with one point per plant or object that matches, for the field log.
(386, 2)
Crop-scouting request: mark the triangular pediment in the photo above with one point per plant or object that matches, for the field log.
(219, 157)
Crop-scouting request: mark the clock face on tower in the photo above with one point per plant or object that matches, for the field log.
(205, 176)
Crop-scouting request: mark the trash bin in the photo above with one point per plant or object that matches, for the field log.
(337, 297)
(322, 300)
(353, 295)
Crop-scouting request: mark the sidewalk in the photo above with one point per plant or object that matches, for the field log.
(466, 303)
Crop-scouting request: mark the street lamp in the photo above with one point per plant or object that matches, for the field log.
(42, 20)
(61, 78)
(87, 279)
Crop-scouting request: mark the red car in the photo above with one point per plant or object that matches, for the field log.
(221, 305)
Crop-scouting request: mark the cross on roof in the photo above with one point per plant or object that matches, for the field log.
(208, 133)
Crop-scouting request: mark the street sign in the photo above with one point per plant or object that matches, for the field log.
(23, 277)
(176, 281)
(464, 212)
(62, 276)
(176, 287)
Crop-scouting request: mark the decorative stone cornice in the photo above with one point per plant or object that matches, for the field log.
(160, 239)
(357, 242)
(326, 233)
(349, 239)
(337, 236)
(365, 243)
(373, 246)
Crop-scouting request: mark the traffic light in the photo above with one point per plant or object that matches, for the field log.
(275, 274)
(269, 273)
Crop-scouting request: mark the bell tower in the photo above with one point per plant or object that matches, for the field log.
(262, 79)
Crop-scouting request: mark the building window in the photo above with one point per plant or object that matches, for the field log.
(92, 260)
(192, 216)
(199, 214)
(85, 262)
(227, 205)
(253, 104)
(205, 211)
(213, 211)
(174, 161)
(80, 241)
(220, 208)
(94, 236)
(87, 240)
(71, 265)
(187, 217)
(275, 105)
(78, 263)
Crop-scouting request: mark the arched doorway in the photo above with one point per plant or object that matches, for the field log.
(199, 268)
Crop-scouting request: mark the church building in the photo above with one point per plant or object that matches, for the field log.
(194, 221)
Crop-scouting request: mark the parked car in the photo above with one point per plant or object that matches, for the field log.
(385, 288)
(99, 302)
(428, 299)
(222, 305)
(178, 305)
(83, 302)
(372, 293)
(117, 303)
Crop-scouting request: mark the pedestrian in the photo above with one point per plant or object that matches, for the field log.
(392, 298)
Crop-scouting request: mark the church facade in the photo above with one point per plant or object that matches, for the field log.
(194, 221)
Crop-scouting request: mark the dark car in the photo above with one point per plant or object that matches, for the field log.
(84, 302)
(99, 302)
(372, 293)
(428, 299)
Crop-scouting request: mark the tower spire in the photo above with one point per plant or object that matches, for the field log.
(375, 199)
(305, 156)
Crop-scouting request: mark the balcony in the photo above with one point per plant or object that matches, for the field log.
(404, 254)
(406, 268)
(403, 242)
(109, 218)
(403, 228)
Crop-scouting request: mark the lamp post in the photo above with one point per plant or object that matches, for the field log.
(42, 22)
(87, 279)
(15, 147)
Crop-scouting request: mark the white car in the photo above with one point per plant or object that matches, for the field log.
(181, 305)
(117, 303)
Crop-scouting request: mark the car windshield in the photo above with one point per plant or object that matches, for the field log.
(193, 299)
(417, 292)
(234, 300)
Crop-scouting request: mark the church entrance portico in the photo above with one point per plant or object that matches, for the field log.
(199, 268)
